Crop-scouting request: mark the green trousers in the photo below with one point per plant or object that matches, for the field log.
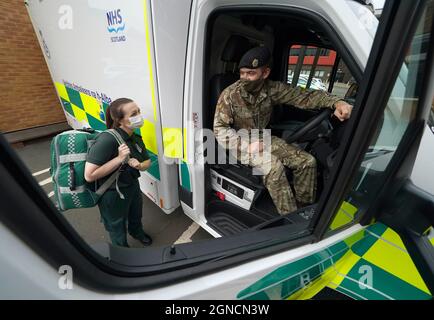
(118, 215)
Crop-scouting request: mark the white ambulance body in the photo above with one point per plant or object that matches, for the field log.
(92, 62)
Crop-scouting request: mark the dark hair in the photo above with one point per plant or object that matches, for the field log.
(114, 113)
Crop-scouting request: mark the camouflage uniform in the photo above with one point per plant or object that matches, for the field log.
(237, 109)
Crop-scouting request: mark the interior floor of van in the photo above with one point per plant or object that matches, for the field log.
(236, 199)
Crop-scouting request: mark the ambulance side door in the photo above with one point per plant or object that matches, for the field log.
(399, 80)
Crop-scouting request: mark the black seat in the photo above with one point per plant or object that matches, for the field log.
(232, 53)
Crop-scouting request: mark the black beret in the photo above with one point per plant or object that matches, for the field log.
(255, 58)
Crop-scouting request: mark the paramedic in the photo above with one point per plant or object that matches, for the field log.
(121, 205)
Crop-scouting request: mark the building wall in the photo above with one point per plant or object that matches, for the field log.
(327, 60)
(27, 95)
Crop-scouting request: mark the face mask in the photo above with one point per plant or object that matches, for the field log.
(136, 122)
(252, 86)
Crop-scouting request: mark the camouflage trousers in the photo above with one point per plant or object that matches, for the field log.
(304, 170)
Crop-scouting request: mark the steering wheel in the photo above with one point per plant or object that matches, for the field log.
(309, 125)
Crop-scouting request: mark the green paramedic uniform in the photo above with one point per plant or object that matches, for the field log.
(117, 214)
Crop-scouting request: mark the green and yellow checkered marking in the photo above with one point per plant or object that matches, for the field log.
(87, 109)
(394, 275)
(342, 267)
(344, 216)
(82, 107)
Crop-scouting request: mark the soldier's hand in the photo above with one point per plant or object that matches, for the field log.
(343, 110)
(256, 147)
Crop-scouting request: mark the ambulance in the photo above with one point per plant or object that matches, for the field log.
(369, 233)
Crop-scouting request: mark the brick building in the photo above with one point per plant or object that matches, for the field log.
(326, 61)
(28, 99)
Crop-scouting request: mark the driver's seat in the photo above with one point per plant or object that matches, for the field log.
(232, 53)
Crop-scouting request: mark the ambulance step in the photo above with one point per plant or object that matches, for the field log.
(229, 219)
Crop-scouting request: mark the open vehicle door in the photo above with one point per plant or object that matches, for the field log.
(398, 243)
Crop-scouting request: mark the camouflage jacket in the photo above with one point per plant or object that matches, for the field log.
(237, 109)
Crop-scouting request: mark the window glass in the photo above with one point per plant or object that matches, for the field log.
(319, 69)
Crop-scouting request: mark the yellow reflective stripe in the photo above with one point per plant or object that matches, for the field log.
(344, 216)
(340, 220)
(151, 74)
(149, 137)
(172, 142)
(61, 91)
(394, 238)
(91, 106)
(343, 267)
(389, 254)
(331, 278)
(79, 114)
(185, 145)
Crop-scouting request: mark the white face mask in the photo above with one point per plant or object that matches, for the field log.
(136, 122)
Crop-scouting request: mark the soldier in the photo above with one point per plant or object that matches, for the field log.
(247, 104)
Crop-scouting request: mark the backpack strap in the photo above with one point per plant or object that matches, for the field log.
(115, 176)
(116, 135)
(104, 187)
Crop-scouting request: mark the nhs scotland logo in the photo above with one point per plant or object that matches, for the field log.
(116, 25)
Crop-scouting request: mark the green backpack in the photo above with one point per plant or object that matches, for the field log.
(68, 157)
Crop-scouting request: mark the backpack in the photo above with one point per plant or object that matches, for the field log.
(68, 157)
